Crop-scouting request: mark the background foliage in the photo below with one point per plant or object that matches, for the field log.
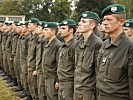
(57, 10)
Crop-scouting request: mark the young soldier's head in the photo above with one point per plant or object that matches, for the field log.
(88, 22)
(24, 27)
(19, 28)
(128, 28)
(1, 22)
(67, 28)
(39, 29)
(113, 18)
(8, 26)
(50, 30)
(32, 24)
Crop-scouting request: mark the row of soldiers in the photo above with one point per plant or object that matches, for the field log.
(50, 61)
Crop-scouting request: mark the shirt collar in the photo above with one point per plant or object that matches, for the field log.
(51, 43)
(117, 41)
(68, 43)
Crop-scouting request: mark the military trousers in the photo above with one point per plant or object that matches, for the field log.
(24, 76)
(41, 86)
(85, 96)
(32, 84)
(51, 92)
(66, 90)
(5, 63)
(10, 65)
(104, 96)
(16, 64)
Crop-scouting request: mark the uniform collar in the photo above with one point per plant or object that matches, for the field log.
(68, 43)
(88, 42)
(117, 42)
(51, 43)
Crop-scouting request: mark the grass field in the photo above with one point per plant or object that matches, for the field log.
(6, 93)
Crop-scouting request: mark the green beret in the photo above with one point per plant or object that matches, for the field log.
(69, 22)
(130, 20)
(2, 21)
(128, 24)
(16, 21)
(114, 9)
(90, 15)
(19, 24)
(41, 23)
(33, 20)
(7, 23)
(25, 23)
(50, 25)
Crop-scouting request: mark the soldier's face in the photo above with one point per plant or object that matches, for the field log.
(24, 28)
(84, 25)
(13, 26)
(128, 31)
(47, 33)
(18, 29)
(4, 27)
(32, 26)
(8, 28)
(39, 30)
(111, 24)
(64, 31)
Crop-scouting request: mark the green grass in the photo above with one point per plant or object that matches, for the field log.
(6, 93)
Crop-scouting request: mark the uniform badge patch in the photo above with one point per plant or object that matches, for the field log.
(114, 9)
(84, 15)
(127, 24)
(104, 60)
(65, 22)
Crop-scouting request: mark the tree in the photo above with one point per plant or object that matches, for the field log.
(28, 8)
(128, 6)
(60, 10)
(9, 7)
(92, 5)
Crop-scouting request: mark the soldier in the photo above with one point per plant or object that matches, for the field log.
(66, 61)
(115, 58)
(1, 33)
(77, 34)
(8, 49)
(16, 59)
(50, 59)
(23, 60)
(101, 28)
(38, 72)
(31, 58)
(86, 52)
(128, 28)
(4, 37)
(13, 53)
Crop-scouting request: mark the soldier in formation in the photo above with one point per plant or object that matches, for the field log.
(87, 60)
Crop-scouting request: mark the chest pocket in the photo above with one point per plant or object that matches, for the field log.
(114, 71)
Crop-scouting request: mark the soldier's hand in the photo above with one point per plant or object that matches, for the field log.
(56, 85)
(34, 73)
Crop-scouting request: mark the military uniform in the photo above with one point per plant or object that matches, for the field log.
(23, 61)
(14, 47)
(40, 78)
(31, 58)
(17, 61)
(8, 47)
(49, 66)
(4, 38)
(66, 70)
(114, 79)
(85, 64)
